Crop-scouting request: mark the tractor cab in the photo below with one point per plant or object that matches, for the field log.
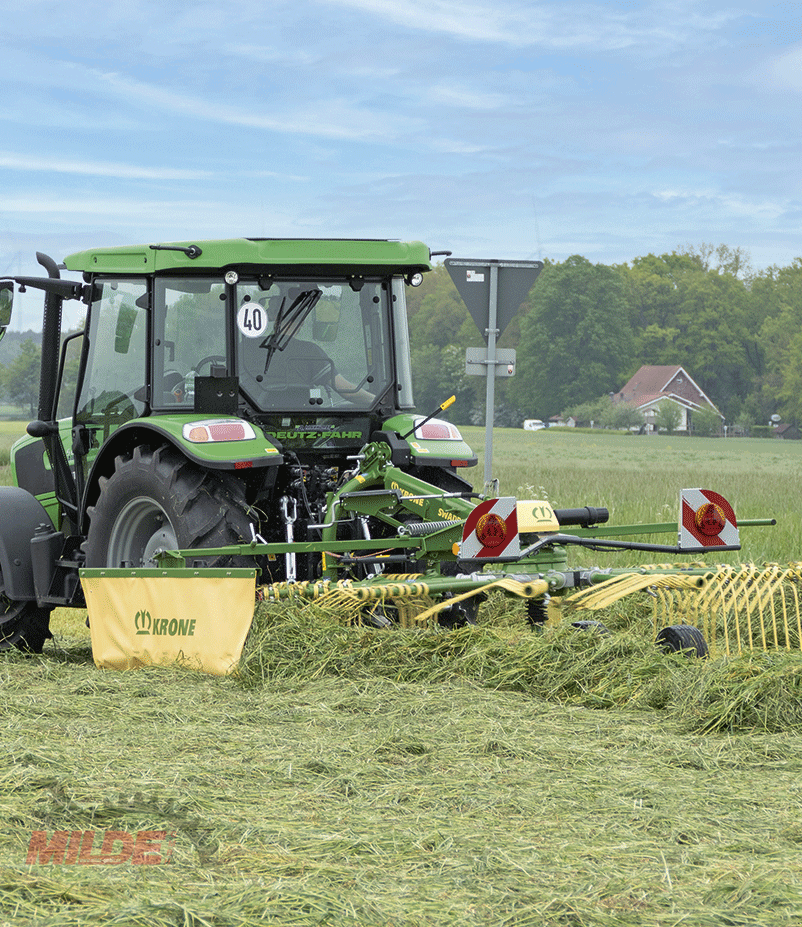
(314, 338)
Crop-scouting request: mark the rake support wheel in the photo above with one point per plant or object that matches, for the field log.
(682, 638)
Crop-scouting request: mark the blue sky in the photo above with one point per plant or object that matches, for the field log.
(511, 129)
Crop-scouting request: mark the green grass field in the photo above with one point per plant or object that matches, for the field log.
(488, 776)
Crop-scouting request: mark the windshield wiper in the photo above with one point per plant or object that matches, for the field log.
(290, 319)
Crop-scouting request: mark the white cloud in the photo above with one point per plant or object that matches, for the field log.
(460, 95)
(56, 165)
(553, 25)
(726, 204)
(786, 70)
(332, 118)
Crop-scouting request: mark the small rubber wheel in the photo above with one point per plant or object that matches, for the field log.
(683, 638)
(591, 626)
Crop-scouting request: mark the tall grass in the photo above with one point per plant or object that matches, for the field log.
(9, 432)
(639, 478)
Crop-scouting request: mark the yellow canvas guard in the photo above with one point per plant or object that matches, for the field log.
(193, 618)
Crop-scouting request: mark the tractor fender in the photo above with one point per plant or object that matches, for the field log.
(153, 432)
(22, 514)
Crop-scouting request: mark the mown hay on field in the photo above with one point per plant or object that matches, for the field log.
(756, 691)
(564, 664)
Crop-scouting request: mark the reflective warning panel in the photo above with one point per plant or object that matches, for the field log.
(706, 520)
(491, 531)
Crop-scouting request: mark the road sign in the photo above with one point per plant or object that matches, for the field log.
(476, 362)
(493, 292)
(473, 278)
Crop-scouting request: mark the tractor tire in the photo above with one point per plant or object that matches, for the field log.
(22, 624)
(158, 500)
(586, 625)
(682, 638)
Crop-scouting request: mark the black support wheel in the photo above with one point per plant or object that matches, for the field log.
(585, 625)
(158, 500)
(682, 638)
(22, 624)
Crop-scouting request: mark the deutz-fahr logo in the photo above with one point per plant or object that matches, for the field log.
(164, 627)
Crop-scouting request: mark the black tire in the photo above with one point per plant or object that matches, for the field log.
(462, 614)
(22, 624)
(158, 500)
(596, 626)
(682, 637)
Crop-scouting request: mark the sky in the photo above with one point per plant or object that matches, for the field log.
(494, 129)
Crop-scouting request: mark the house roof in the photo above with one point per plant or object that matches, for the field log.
(655, 382)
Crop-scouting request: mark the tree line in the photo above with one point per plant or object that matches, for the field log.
(586, 328)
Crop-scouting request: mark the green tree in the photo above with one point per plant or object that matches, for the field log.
(622, 415)
(21, 376)
(440, 330)
(690, 307)
(591, 413)
(776, 299)
(576, 339)
(668, 416)
(439, 373)
(705, 423)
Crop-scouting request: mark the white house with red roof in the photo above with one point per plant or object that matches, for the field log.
(652, 385)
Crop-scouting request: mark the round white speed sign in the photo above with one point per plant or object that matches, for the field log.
(252, 320)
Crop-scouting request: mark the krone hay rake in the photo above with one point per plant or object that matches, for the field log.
(737, 608)
(516, 547)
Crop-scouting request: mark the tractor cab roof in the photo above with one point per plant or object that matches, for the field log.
(338, 256)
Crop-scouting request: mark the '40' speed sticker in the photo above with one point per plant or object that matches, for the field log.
(252, 319)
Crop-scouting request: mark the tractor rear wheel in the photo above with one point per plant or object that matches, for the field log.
(158, 500)
(22, 624)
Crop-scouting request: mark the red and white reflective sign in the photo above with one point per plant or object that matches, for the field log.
(491, 531)
(706, 520)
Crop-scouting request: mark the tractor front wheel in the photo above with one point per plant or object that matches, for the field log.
(158, 500)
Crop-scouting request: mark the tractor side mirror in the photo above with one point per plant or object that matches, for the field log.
(6, 304)
(325, 321)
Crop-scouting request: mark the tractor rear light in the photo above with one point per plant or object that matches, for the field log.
(459, 463)
(437, 430)
(217, 430)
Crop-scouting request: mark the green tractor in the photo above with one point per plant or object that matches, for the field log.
(218, 392)
(249, 403)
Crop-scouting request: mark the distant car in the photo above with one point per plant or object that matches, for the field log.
(533, 424)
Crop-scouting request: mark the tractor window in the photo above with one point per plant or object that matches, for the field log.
(402, 350)
(189, 338)
(113, 385)
(317, 343)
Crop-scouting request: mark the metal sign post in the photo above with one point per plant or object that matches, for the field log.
(492, 291)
